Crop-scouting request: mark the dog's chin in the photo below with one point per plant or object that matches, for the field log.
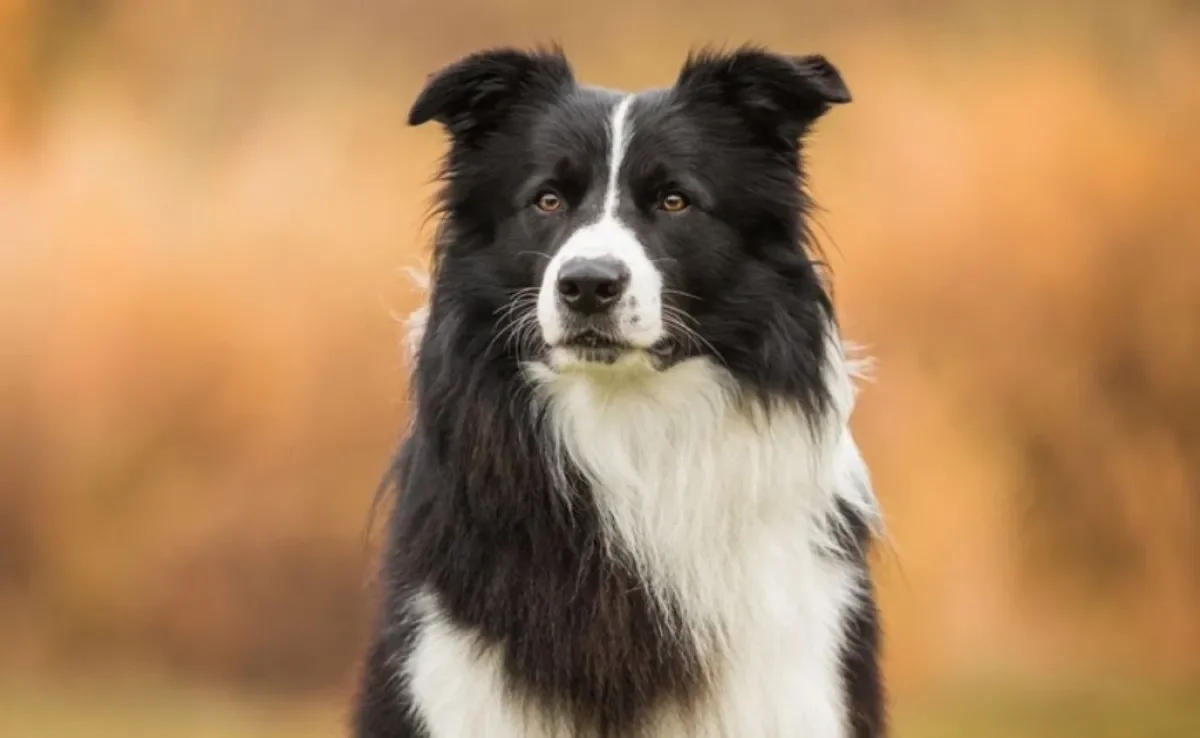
(602, 358)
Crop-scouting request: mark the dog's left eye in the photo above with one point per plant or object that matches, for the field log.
(548, 201)
(673, 202)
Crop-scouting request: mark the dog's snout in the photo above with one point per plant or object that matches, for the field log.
(590, 286)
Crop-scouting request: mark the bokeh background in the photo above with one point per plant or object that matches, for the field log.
(206, 211)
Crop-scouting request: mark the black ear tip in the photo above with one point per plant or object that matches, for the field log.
(841, 98)
(430, 100)
(418, 116)
(825, 78)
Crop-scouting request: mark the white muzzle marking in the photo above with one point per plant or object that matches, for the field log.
(637, 315)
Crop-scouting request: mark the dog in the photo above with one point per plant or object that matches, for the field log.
(629, 503)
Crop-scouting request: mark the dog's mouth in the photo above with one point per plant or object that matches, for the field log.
(593, 339)
(594, 347)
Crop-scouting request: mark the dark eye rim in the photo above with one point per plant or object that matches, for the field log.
(684, 201)
(545, 192)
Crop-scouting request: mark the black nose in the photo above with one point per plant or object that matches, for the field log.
(589, 286)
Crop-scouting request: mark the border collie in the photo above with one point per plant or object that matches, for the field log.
(629, 502)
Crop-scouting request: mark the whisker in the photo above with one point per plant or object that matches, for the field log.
(681, 293)
(525, 334)
(514, 319)
(527, 294)
(672, 316)
(671, 309)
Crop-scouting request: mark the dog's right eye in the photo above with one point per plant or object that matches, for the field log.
(548, 201)
(673, 202)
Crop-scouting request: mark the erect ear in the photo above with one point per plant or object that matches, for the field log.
(473, 94)
(785, 92)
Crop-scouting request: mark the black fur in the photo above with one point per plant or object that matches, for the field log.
(482, 518)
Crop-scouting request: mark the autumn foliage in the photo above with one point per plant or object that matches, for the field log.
(205, 216)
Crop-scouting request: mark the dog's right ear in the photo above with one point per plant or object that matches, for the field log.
(472, 95)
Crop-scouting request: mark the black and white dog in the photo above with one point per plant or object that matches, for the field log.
(629, 503)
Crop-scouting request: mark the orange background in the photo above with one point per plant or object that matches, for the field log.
(206, 211)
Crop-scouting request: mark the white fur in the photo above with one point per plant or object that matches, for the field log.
(414, 324)
(459, 686)
(639, 312)
(724, 508)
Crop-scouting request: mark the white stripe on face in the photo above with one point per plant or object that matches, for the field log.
(637, 316)
(621, 130)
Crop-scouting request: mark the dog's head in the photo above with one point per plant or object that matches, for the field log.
(588, 227)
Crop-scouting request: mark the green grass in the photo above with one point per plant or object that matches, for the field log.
(125, 711)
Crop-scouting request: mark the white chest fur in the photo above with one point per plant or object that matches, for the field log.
(725, 513)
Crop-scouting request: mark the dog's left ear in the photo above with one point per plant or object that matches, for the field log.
(788, 93)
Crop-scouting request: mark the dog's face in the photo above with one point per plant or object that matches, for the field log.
(590, 227)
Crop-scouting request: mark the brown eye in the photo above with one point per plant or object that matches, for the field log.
(548, 202)
(673, 202)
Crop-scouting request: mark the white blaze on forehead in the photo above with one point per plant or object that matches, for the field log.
(638, 315)
(619, 131)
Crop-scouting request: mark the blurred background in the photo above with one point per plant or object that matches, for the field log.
(206, 211)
